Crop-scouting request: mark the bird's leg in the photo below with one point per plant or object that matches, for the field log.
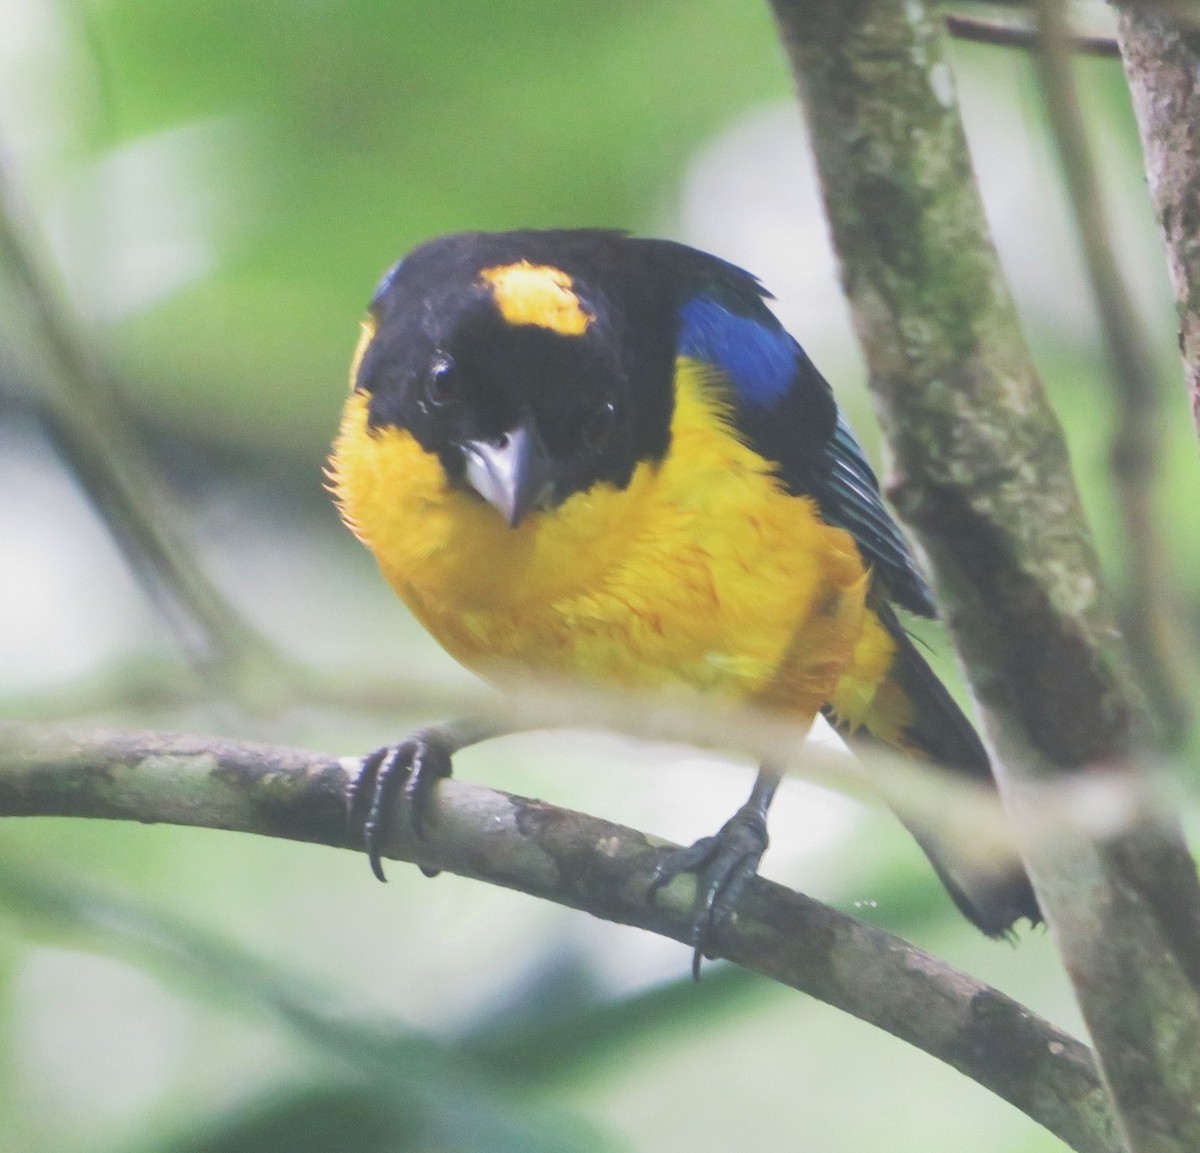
(723, 863)
(407, 773)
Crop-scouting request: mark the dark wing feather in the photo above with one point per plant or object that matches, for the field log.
(785, 409)
(848, 494)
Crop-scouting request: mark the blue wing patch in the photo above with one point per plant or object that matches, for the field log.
(786, 411)
(759, 360)
(784, 408)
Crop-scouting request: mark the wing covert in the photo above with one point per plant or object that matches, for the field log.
(785, 409)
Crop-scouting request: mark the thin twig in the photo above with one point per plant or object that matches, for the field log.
(582, 863)
(964, 813)
(1006, 34)
(84, 418)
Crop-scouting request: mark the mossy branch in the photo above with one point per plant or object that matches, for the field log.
(583, 863)
(983, 477)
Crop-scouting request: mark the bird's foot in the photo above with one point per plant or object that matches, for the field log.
(723, 865)
(396, 782)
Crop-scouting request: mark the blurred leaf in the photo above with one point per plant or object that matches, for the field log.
(418, 1083)
(324, 1118)
(559, 1021)
(350, 131)
(313, 1120)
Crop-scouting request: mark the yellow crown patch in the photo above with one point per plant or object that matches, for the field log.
(537, 294)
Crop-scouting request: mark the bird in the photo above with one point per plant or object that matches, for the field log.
(586, 454)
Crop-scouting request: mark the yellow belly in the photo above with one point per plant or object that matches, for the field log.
(702, 573)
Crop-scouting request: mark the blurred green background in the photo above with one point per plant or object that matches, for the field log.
(219, 186)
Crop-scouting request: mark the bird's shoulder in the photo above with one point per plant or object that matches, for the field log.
(785, 409)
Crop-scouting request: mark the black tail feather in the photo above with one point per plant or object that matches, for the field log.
(993, 897)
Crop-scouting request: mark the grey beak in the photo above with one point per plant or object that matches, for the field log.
(513, 473)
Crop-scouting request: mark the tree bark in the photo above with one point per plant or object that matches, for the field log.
(982, 476)
(1162, 64)
(582, 863)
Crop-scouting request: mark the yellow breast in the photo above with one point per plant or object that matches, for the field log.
(703, 572)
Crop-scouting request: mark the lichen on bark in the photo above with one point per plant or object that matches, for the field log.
(982, 475)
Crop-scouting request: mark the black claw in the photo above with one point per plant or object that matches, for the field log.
(723, 865)
(689, 860)
(397, 778)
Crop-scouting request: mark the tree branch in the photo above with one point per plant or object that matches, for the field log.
(583, 863)
(1006, 34)
(1162, 63)
(1137, 439)
(984, 479)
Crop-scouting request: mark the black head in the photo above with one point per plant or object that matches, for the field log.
(534, 364)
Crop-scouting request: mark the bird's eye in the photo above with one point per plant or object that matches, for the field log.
(597, 424)
(441, 382)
